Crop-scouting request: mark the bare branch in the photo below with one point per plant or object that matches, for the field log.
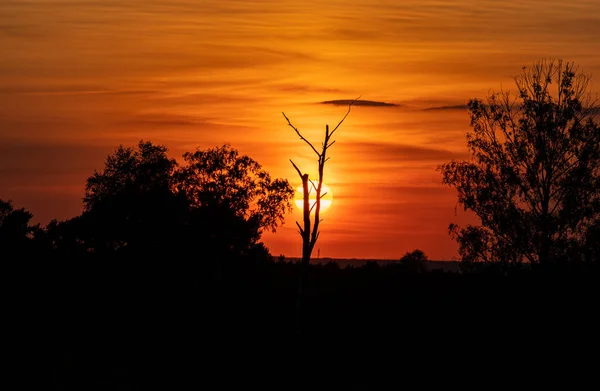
(348, 112)
(296, 167)
(300, 135)
(309, 234)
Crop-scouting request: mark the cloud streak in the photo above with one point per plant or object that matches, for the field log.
(360, 102)
(388, 152)
(447, 108)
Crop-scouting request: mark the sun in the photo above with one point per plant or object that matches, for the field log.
(326, 200)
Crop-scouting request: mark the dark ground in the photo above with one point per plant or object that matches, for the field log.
(154, 325)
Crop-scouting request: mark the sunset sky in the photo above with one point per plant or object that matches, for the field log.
(79, 77)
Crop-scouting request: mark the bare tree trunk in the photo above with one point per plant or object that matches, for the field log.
(306, 252)
(309, 234)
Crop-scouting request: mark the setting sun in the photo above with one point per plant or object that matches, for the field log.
(326, 201)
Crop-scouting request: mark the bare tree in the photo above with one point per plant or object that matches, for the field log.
(310, 233)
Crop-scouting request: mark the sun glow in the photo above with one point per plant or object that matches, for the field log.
(326, 200)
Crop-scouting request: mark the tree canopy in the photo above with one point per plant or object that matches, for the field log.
(15, 229)
(414, 261)
(143, 201)
(534, 177)
(221, 176)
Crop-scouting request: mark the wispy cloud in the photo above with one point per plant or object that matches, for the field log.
(165, 120)
(66, 90)
(346, 102)
(401, 152)
(306, 88)
(36, 161)
(446, 108)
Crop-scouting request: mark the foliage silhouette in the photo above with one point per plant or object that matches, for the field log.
(130, 205)
(414, 261)
(16, 233)
(534, 178)
(221, 176)
(143, 202)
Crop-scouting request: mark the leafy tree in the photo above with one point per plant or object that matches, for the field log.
(534, 177)
(216, 205)
(414, 261)
(144, 169)
(66, 237)
(16, 233)
(130, 204)
(235, 200)
(221, 176)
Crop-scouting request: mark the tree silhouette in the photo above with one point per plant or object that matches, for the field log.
(215, 206)
(534, 177)
(221, 176)
(15, 231)
(67, 238)
(414, 261)
(130, 205)
(309, 234)
(237, 200)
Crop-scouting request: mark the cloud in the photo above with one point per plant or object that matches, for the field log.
(401, 152)
(304, 88)
(164, 120)
(346, 102)
(446, 108)
(66, 89)
(29, 162)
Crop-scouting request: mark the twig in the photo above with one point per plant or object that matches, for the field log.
(299, 134)
(348, 112)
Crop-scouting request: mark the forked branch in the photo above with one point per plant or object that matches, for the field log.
(309, 234)
(342, 120)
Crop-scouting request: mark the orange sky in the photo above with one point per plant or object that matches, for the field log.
(78, 77)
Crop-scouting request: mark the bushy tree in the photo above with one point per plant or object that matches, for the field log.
(130, 203)
(221, 176)
(16, 232)
(216, 205)
(414, 261)
(534, 177)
